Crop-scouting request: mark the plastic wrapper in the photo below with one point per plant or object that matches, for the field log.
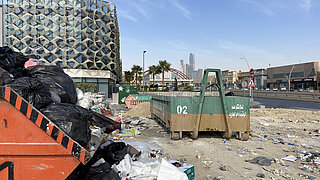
(79, 93)
(57, 81)
(170, 172)
(145, 149)
(31, 62)
(137, 169)
(32, 90)
(85, 103)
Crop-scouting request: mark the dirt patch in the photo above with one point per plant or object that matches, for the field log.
(140, 110)
(276, 133)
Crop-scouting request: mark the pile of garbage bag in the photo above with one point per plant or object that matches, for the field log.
(128, 160)
(50, 90)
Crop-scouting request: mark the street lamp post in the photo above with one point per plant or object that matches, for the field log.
(143, 52)
(290, 76)
(251, 93)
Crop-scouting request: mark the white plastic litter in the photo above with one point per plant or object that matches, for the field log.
(170, 172)
(145, 148)
(85, 103)
(79, 94)
(137, 170)
(99, 162)
(290, 158)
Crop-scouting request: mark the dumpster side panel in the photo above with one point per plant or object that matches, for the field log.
(184, 113)
(29, 151)
(38, 167)
(161, 109)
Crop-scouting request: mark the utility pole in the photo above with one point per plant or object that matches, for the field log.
(250, 92)
(290, 76)
(143, 52)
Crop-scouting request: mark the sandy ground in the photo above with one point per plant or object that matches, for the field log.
(273, 131)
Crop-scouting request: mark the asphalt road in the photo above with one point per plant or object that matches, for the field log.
(277, 103)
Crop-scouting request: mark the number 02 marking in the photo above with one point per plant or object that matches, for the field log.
(182, 109)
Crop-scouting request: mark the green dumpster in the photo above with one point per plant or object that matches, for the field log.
(142, 97)
(226, 114)
(124, 92)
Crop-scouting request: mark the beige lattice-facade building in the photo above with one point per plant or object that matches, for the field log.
(82, 36)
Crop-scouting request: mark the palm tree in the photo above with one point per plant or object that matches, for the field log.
(136, 69)
(164, 67)
(128, 76)
(140, 78)
(154, 70)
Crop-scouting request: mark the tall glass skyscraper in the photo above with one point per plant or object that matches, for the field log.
(74, 34)
(192, 62)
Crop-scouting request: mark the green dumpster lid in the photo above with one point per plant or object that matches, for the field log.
(142, 97)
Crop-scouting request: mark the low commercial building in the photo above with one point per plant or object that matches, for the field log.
(260, 78)
(301, 76)
(229, 78)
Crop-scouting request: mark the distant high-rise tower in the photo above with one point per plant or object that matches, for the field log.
(182, 66)
(188, 72)
(191, 62)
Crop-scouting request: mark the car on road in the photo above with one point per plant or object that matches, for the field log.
(274, 89)
(267, 89)
(283, 89)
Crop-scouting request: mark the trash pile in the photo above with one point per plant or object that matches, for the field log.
(95, 102)
(88, 119)
(132, 160)
(50, 90)
(124, 157)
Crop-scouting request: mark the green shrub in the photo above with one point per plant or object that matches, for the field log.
(87, 87)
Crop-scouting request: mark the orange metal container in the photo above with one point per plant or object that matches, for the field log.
(31, 146)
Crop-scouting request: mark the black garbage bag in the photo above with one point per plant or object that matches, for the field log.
(112, 153)
(5, 77)
(32, 90)
(100, 172)
(72, 119)
(261, 160)
(11, 60)
(104, 122)
(57, 81)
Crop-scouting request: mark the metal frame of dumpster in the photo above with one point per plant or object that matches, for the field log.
(31, 145)
(233, 116)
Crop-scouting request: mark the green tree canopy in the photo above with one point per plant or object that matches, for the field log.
(136, 69)
(164, 67)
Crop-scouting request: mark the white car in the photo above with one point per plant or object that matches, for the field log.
(275, 89)
(283, 89)
(267, 89)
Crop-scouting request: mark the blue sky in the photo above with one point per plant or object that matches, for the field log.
(219, 32)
